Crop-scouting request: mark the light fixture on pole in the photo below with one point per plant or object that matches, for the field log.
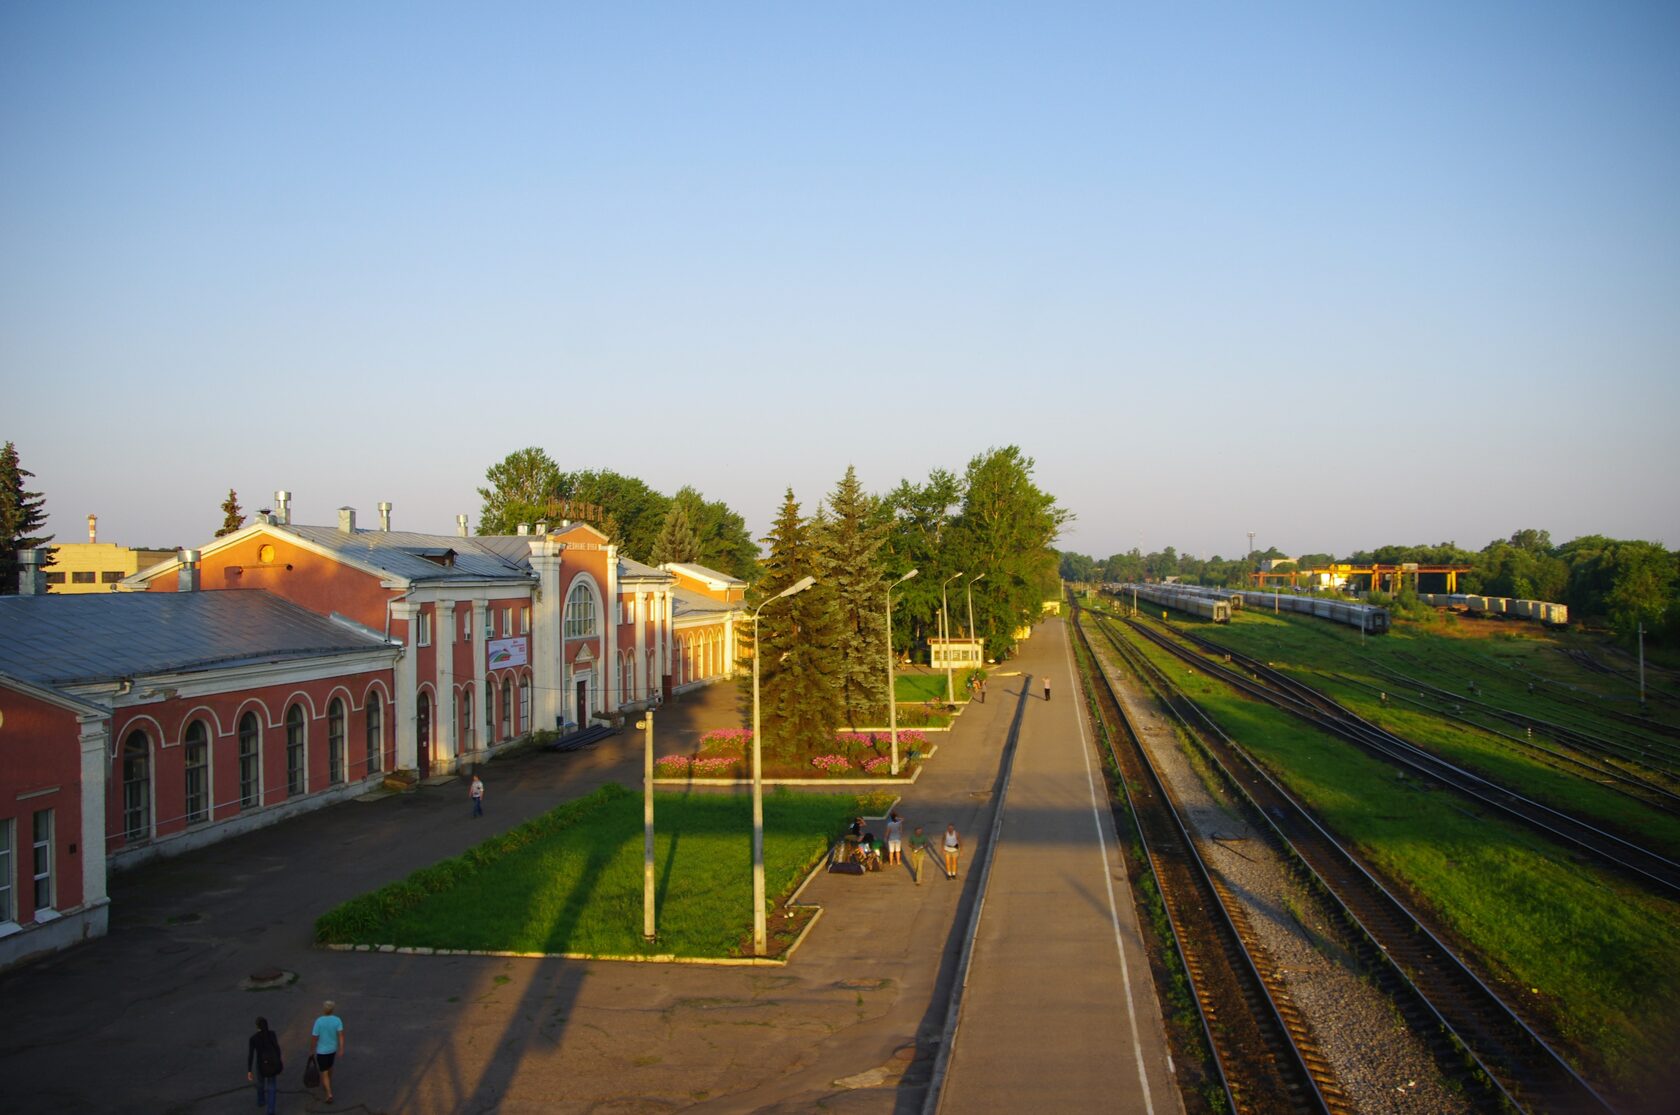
(945, 632)
(759, 933)
(892, 695)
(646, 724)
(969, 588)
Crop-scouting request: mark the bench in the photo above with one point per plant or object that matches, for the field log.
(583, 738)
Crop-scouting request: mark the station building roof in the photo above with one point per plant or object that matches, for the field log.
(72, 640)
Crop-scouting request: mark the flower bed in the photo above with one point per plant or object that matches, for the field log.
(724, 753)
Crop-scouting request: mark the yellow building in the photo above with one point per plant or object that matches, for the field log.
(95, 566)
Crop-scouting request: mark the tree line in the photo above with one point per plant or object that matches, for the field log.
(1620, 583)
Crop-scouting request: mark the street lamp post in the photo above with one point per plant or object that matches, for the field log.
(646, 724)
(759, 933)
(892, 695)
(969, 588)
(945, 629)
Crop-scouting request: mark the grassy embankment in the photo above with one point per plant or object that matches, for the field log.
(1598, 957)
(570, 881)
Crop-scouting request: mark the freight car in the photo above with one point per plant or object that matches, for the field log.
(1366, 617)
(1541, 611)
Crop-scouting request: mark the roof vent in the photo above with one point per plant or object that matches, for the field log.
(542, 528)
(384, 515)
(31, 580)
(187, 575)
(461, 525)
(524, 528)
(347, 520)
(93, 529)
(283, 506)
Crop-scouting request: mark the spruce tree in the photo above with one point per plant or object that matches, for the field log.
(799, 703)
(21, 515)
(851, 539)
(678, 540)
(233, 517)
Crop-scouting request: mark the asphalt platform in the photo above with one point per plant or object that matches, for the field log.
(1057, 1008)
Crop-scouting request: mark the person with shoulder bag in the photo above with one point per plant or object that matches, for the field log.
(263, 1055)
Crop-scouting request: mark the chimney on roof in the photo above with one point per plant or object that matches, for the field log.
(542, 528)
(186, 579)
(524, 528)
(93, 529)
(283, 506)
(461, 525)
(385, 515)
(347, 520)
(31, 580)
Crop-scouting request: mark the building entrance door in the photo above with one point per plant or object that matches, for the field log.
(583, 703)
(423, 735)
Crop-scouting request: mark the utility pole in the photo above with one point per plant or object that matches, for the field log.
(646, 724)
(1642, 664)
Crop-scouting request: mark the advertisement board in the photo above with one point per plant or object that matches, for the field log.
(507, 652)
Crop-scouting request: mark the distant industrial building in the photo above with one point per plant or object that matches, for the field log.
(95, 566)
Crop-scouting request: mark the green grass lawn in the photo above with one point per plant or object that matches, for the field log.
(571, 880)
(926, 687)
(1598, 956)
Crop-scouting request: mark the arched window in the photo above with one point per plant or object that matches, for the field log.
(137, 786)
(489, 712)
(375, 731)
(580, 611)
(507, 708)
(467, 720)
(296, 777)
(250, 761)
(525, 703)
(335, 741)
(196, 766)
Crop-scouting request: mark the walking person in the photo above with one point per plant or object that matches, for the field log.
(895, 840)
(918, 853)
(262, 1054)
(477, 794)
(952, 843)
(328, 1033)
(1046, 688)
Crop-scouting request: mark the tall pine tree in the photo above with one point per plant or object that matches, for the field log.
(799, 703)
(21, 515)
(851, 539)
(233, 516)
(678, 540)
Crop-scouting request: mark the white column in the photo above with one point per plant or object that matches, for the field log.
(96, 761)
(665, 625)
(408, 755)
(480, 655)
(548, 637)
(609, 637)
(729, 644)
(444, 634)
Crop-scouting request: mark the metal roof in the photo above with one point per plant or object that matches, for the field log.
(68, 640)
(686, 602)
(415, 557)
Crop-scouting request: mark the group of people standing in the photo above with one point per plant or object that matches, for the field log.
(264, 1064)
(919, 841)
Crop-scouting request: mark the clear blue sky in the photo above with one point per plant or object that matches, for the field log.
(1339, 274)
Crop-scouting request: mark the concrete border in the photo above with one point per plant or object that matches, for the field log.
(853, 782)
(953, 1009)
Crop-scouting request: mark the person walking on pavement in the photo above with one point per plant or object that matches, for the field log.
(477, 793)
(952, 843)
(328, 1033)
(1046, 688)
(262, 1053)
(918, 854)
(895, 840)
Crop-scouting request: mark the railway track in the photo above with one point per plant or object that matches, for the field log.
(1436, 991)
(1262, 1046)
(1273, 687)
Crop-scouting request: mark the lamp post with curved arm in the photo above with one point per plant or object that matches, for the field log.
(969, 588)
(945, 624)
(759, 932)
(892, 696)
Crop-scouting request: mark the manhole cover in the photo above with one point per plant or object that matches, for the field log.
(265, 979)
(173, 949)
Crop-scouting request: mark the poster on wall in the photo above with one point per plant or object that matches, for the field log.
(507, 652)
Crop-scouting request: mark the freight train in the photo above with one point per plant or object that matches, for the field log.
(1538, 610)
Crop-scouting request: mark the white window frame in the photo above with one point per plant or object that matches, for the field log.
(205, 813)
(586, 627)
(253, 800)
(8, 858)
(303, 750)
(422, 629)
(525, 620)
(42, 848)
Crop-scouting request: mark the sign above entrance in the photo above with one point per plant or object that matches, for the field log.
(508, 652)
(956, 654)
